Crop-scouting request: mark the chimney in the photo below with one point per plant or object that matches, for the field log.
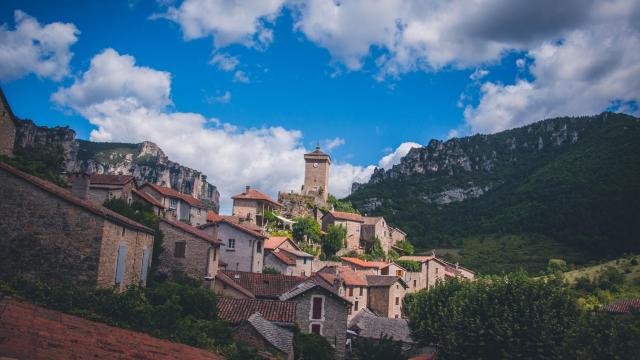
(80, 184)
(247, 188)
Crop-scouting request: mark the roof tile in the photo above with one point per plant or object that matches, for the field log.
(264, 285)
(237, 310)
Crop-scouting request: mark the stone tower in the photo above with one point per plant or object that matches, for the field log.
(316, 174)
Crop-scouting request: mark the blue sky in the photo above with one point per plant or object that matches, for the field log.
(365, 76)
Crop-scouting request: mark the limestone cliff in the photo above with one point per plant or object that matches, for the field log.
(146, 161)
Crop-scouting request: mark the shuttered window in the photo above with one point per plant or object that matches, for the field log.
(355, 306)
(361, 291)
(121, 263)
(315, 329)
(317, 308)
(179, 249)
(145, 265)
(350, 291)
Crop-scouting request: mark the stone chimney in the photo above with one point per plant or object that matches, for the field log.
(247, 188)
(80, 184)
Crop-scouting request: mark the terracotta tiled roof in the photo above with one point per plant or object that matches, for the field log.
(346, 216)
(32, 332)
(364, 263)
(371, 220)
(192, 230)
(249, 228)
(115, 180)
(64, 194)
(283, 258)
(397, 229)
(274, 241)
(222, 277)
(384, 280)
(148, 198)
(252, 194)
(264, 285)
(237, 310)
(169, 192)
(212, 216)
(623, 306)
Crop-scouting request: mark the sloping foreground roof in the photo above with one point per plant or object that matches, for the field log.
(192, 230)
(237, 310)
(264, 285)
(65, 195)
(369, 325)
(31, 332)
(176, 194)
(252, 194)
(624, 306)
(280, 338)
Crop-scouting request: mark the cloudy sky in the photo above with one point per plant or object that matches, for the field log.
(241, 89)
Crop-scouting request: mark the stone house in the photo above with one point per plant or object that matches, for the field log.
(432, 270)
(50, 233)
(186, 207)
(321, 310)
(268, 338)
(247, 285)
(351, 222)
(252, 205)
(243, 241)
(349, 284)
(397, 235)
(386, 294)
(376, 227)
(8, 125)
(282, 254)
(189, 251)
(145, 198)
(104, 187)
(371, 267)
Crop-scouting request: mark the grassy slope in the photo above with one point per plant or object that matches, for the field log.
(631, 271)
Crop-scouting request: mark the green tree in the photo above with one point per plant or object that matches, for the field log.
(306, 228)
(376, 251)
(341, 205)
(513, 316)
(407, 247)
(311, 347)
(270, 270)
(334, 240)
(600, 335)
(43, 161)
(556, 265)
(383, 349)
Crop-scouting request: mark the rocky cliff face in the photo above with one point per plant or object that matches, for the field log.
(146, 161)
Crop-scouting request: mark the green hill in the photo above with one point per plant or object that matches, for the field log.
(569, 186)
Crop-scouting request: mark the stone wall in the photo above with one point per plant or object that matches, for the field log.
(379, 300)
(297, 205)
(198, 261)
(113, 236)
(334, 322)
(363, 300)
(7, 132)
(396, 291)
(247, 334)
(272, 262)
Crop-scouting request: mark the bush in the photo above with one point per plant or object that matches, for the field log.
(311, 347)
(376, 252)
(602, 335)
(384, 349)
(410, 265)
(407, 247)
(306, 228)
(43, 161)
(270, 270)
(556, 265)
(341, 205)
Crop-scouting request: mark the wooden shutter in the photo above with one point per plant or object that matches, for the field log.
(350, 291)
(179, 250)
(121, 263)
(317, 308)
(145, 265)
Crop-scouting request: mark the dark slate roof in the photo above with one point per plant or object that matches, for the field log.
(237, 310)
(623, 306)
(264, 285)
(67, 196)
(369, 325)
(384, 280)
(311, 283)
(280, 338)
(32, 332)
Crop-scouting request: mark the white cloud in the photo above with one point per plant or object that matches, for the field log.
(394, 158)
(129, 103)
(331, 144)
(478, 74)
(224, 62)
(240, 77)
(227, 21)
(222, 99)
(33, 48)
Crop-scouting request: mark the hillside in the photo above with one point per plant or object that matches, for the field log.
(574, 182)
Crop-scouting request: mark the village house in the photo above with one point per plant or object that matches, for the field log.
(143, 197)
(376, 227)
(283, 255)
(104, 187)
(271, 340)
(248, 285)
(397, 235)
(243, 242)
(8, 125)
(188, 251)
(253, 205)
(371, 267)
(351, 222)
(432, 270)
(61, 237)
(386, 294)
(186, 207)
(350, 284)
(321, 310)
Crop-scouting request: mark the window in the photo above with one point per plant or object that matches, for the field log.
(361, 291)
(355, 306)
(316, 311)
(198, 211)
(415, 284)
(397, 300)
(173, 204)
(305, 261)
(121, 263)
(123, 231)
(145, 265)
(215, 255)
(399, 273)
(396, 316)
(259, 247)
(350, 291)
(315, 329)
(231, 244)
(180, 249)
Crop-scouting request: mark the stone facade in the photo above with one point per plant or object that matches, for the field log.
(386, 301)
(8, 125)
(253, 205)
(48, 233)
(298, 205)
(246, 334)
(242, 250)
(376, 227)
(100, 194)
(316, 174)
(199, 259)
(333, 324)
(352, 241)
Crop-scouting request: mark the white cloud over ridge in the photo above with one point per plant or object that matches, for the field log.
(394, 157)
(129, 103)
(33, 48)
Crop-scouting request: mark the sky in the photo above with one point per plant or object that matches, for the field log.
(242, 89)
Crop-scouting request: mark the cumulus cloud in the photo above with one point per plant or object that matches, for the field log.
(241, 77)
(478, 74)
(224, 98)
(394, 157)
(245, 22)
(589, 70)
(129, 103)
(224, 62)
(33, 48)
(331, 144)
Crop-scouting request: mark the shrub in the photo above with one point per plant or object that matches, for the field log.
(383, 349)
(410, 265)
(270, 270)
(311, 347)
(334, 240)
(306, 228)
